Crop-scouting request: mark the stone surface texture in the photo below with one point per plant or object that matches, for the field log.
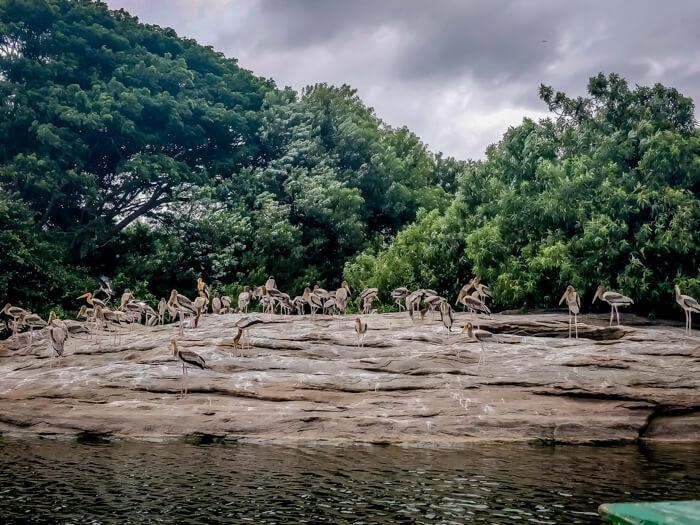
(304, 379)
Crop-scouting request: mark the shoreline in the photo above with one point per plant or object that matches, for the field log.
(305, 382)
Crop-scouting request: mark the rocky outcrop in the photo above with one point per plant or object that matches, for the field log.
(304, 379)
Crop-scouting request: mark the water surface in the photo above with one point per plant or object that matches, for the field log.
(132, 482)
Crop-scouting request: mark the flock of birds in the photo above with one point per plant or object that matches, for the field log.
(98, 318)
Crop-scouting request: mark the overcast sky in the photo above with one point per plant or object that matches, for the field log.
(457, 73)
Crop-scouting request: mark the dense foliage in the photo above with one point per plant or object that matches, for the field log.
(129, 151)
(605, 191)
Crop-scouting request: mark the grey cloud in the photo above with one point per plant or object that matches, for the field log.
(457, 73)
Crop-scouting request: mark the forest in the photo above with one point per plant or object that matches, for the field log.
(128, 151)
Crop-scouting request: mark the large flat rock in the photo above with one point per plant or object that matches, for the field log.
(304, 379)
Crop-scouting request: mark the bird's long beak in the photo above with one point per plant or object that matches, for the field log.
(84, 295)
(466, 327)
(563, 297)
(597, 293)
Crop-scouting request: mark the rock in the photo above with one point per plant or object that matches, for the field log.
(304, 379)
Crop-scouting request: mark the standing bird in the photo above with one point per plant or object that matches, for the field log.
(126, 297)
(314, 301)
(58, 334)
(573, 301)
(200, 306)
(225, 304)
(367, 297)
(32, 321)
(473, 304)
(15, 312)
(188, 358)
(181, 306)
(92, 300)
(271, 284)
(216, 305)
(244, 300)
(341, 297)
(614, 299)
(690, 306)
(398, 294)
(479, 335)
(242, 325)
(446, 316)
(361, 330)
(203, 291)
(162, 306)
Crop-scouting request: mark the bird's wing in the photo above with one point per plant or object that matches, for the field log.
(193, 359)
(691, 303)
(617, 298)
(578, 300)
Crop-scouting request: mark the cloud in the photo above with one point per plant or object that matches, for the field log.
(457, 73)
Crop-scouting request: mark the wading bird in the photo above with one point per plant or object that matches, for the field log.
(573, 301)
(188, 358)
(15, 312)
(216, 306)
(105, 287)
(242, 325)
(361, 330)
(225, 304)
(203, 291)
(244, 300)
(479, 335)
(690, 306)
(162, 306)
(614, 299)
(446, 316)
(181, 306)
(58, 334)
(398, 294)
(341, 297)
(367, 297)
(31, 321)
(473, 304)
(92, 300)
(126, 297)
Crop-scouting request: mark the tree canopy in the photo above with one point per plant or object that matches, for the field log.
(127, 150)
(604, 191)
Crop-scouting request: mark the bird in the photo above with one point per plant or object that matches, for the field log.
(92, 300)
(314, 301)
(479, 335)
(105, 287)
(242, 325)
(216, 305)
(466, 289)
(398, 294)
(225, 304)
(203, 291)
(690, 306)
(15, 312)
(58, 334)
(188, 358)
(244, 300)
(271, 283)
(446, 316)
(32, 321)
(614, 299)
(473, 304)
(323, 295)
(126, 297)
(162, 306)
(573, 301)
(181, 306)
(341, 297)
(361, 330)
(200, 306)
(367, 297)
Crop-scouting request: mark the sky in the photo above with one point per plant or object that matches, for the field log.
(457, 73)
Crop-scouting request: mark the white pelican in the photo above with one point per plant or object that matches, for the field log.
(614, 299)
(690, 306)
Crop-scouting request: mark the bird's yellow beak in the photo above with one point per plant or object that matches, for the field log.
(597, 293)
(563, 297)
(84, 295)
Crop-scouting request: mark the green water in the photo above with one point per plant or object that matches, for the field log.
(49, 481)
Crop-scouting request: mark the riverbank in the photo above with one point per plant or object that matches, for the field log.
(305, 380)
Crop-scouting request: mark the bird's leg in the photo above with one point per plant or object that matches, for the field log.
(569, 324)
(182, 383)
(576, 324)
(690, 323)
(612, 313)
(482, 359)
(186, 380)
(617, 313)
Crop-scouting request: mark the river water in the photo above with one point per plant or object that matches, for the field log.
(53, 481)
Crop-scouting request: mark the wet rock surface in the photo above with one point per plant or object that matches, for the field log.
(305, 379)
